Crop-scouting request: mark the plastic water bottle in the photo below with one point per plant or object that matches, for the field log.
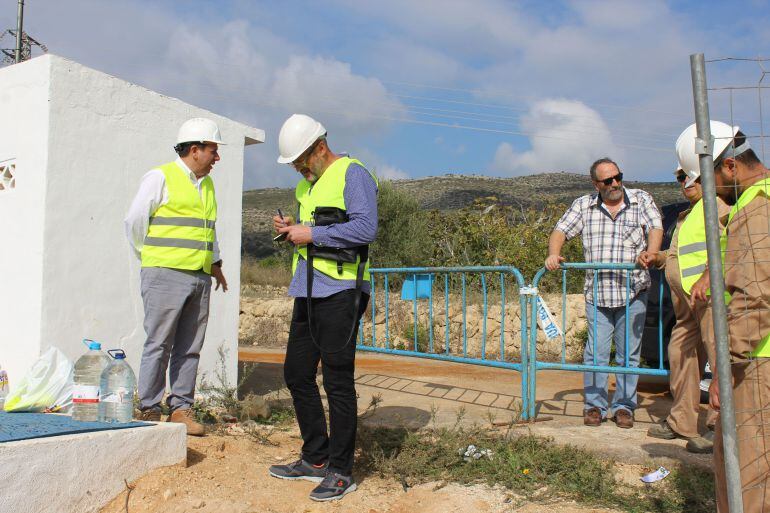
(116, 403)
(87, 379)
(3, 387)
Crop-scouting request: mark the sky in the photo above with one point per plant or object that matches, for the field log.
(429, 87)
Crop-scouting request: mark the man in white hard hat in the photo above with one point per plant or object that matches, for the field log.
(336, 222)
(617, 225)
(692, 339)
(171, 226)
(744, 182)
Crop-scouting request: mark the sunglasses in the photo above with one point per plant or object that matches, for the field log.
(608, 181)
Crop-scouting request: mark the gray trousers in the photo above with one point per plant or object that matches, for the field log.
(176, 311)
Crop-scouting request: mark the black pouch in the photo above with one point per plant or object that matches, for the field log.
(325, 216)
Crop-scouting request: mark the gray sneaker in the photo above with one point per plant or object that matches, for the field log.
(701, 444)
(334, 487)
(300, 469)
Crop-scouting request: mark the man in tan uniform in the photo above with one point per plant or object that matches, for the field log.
(743, 181)
(692, 339)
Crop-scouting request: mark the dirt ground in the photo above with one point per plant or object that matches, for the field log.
(228, 474)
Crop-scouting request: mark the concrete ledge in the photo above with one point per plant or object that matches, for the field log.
(81, 473)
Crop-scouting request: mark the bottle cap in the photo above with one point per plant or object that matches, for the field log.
(94, 346)
(118, 354)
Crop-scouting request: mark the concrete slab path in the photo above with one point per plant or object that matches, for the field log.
(417, 392)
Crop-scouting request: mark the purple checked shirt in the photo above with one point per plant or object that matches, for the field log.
(361, 202)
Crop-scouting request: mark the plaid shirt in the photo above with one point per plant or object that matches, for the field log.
(618, 240)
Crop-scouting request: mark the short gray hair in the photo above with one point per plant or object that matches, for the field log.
(603, 160)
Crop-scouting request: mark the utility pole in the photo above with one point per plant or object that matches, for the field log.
(19, 32)
(22, 49)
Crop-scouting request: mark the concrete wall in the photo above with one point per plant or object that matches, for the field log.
(23, 128)
(83, 472)
(103, 135)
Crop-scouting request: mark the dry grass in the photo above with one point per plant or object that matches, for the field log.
(265, 272)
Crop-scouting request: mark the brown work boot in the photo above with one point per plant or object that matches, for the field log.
(592, 417)
(624, 419)
(701, 444)
(151, 415)
(663, 430)
(187, 417)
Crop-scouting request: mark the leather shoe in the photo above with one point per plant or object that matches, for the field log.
(624, 419)
(187, 417)
(592, 417)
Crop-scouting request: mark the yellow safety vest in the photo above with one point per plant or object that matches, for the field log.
(181, 232)
(761, 187)
(326, 191)
(691, 249)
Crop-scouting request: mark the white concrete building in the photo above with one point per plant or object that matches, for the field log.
(74, 143)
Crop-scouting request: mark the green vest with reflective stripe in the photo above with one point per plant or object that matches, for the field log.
(691, 250)
(181, 232)
(754, 190)
(326, 191)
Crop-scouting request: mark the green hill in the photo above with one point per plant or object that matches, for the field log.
(448, 192)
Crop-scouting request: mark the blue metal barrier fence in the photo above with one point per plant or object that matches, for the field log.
(625, 368)
(419, 285)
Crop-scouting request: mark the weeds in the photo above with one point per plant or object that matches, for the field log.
(535, 468)
(423, 338)
(219, 399)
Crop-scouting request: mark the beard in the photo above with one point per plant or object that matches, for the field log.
(611, 194)
(727, 189)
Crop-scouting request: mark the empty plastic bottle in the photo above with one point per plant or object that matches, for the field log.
(87, 379)
(116, 403)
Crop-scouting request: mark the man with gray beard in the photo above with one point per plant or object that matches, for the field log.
(617, 225)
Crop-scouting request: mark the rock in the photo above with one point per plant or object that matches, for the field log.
(198, 504)
(255, 406)
(168, 494)
(235, 429)
(228, 419)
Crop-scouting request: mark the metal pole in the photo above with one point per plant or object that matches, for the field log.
(19, 28)
(704, 144)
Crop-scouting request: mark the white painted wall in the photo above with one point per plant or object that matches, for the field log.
(23, 137)
(103, 135)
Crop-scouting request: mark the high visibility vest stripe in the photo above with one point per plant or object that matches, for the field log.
(166, 242)
(182, 221)
(693, 271)
(692, 248)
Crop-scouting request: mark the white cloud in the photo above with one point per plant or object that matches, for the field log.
(564, 135)
(390, 173)
(308, 84)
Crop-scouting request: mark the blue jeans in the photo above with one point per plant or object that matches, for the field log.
(611, 324)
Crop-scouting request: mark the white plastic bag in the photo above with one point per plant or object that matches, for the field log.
(47, 385)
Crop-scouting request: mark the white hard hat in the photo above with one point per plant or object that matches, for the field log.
(689, 161)
(297, 134)
(199, 130)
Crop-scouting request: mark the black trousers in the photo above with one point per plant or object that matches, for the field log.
(332, 318)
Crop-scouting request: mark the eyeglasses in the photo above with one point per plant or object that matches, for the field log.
(681, 177)
(608, 181)
(301, 161)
